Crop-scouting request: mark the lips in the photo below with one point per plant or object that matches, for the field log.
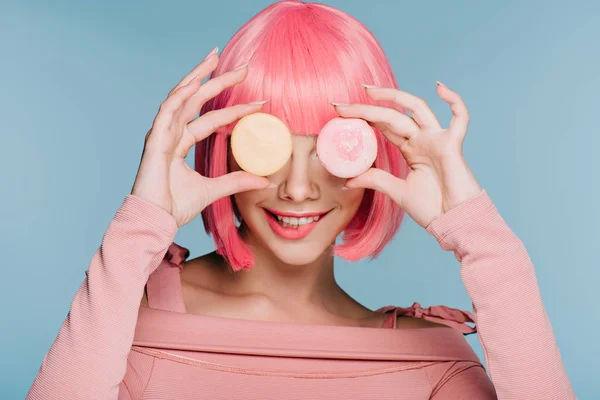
(297, 215)
(293, 226)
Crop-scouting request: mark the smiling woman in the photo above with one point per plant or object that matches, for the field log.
(322, 55)
(263, 316)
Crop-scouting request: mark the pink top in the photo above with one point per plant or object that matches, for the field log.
(111, 348)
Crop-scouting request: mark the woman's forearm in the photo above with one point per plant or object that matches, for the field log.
(519, 346)
(88, 358)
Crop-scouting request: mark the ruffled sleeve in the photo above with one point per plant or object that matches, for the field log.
(164, 285)
(176, 255)
(452, 317)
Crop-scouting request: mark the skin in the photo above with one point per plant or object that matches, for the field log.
(297, 275)
(294, 282)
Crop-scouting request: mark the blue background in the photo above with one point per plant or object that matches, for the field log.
(82, 81)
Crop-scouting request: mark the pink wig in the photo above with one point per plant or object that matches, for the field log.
(302, 56)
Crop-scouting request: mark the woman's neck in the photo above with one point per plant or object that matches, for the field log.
(305, 288)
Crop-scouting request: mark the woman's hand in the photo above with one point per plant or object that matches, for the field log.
(440, 178)
(163, 177)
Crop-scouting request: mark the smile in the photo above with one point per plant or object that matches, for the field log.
(293, 226)
(294, 222)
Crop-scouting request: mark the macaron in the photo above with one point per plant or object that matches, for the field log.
(347, 147)
(261, 144)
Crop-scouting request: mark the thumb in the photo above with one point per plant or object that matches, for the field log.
(235, 182)
(380, 180)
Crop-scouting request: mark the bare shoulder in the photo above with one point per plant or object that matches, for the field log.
(407, 322)
(204, 272)
(208, 271)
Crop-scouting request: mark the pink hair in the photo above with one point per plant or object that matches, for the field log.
(302, 56)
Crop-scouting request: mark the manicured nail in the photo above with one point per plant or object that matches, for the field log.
(339, 104)
(213, 51)
(241, 66)
(440, 84)
(259, 102)
(368, 86)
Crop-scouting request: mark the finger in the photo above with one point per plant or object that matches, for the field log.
(382, 181)
(208, 123)
(235, 182)
(384, 118)
(169, 107)
(210, 89)
(204, 68)
(460, 113)
(418, 107)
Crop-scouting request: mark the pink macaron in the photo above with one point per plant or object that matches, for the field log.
(347, 147)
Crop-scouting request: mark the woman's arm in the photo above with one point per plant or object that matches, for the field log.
(89, 356)
(520, 350)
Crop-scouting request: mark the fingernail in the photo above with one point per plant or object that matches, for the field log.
(259, 102)
(368, 86)
(213, 51)
(272, 185)
(344, 188)
(339, 104)
(241, 66)
(440, 84)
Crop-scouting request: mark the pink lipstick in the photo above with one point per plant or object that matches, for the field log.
(293, 226)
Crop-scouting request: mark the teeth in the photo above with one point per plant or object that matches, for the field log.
(295, 222)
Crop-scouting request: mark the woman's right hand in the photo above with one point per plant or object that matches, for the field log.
(163, 177)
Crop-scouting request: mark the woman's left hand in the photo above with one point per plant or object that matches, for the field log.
(440, 178)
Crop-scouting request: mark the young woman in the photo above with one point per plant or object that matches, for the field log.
(263, 317)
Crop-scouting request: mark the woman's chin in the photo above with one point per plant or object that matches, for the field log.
(309, 247)
(298, 255)
(297, 258)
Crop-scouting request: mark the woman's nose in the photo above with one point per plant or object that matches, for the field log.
(298, 185)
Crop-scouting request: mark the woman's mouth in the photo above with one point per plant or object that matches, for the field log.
(294, 222)
(293, 226)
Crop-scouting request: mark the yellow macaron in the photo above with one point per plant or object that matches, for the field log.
(261, 144)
